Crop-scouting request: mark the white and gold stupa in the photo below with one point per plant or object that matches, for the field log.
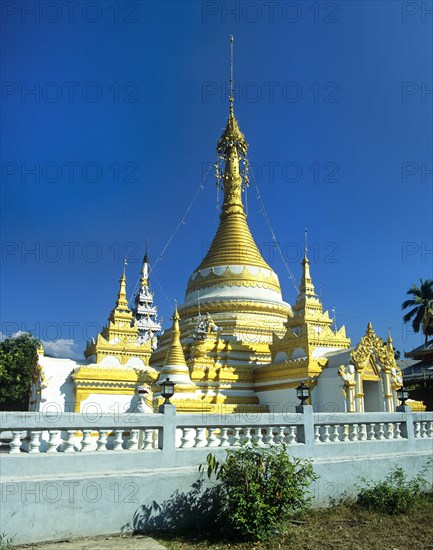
(235, 344)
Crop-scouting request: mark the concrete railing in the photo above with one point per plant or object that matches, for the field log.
(67, 474)
(35, 432)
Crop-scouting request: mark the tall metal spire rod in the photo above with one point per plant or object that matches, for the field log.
(306, 241)
(231, 97)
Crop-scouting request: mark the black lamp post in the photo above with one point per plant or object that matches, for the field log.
(167, 390)
(302, 393)
(402, 395)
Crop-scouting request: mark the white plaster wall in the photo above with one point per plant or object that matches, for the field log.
(328, 395)
(60, 390)
(279, 401)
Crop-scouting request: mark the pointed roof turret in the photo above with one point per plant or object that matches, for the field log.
(175, 366)
(122, 300)
(175, 355)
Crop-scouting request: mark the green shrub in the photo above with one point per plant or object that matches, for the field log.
(260, 487)
(396, 494)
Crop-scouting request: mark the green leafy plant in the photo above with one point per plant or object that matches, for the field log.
(260, 487)
(396, 494)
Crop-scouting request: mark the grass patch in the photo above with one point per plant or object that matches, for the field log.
(339, 527)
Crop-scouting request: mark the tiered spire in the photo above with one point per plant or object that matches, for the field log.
(307, 300)
(145, 313)
(120, 320)
(175, 366)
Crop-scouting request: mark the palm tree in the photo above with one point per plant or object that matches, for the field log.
(421, 313)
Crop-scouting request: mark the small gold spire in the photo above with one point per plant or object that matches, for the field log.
(306, 286)
(122, 301)
(389, 341)
(175, 355)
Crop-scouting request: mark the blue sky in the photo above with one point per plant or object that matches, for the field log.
(128, 101)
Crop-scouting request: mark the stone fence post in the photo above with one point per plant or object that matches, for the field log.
(167, 442)
(308, 424)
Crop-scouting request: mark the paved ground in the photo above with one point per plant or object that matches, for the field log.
(99, 543)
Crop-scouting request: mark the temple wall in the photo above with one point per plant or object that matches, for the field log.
(153, 463)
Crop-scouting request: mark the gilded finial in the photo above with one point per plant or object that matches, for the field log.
(231, 97)
(125, 263)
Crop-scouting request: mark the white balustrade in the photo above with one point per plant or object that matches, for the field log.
(70, 437)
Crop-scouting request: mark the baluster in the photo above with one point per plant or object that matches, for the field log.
(429, 429)
(279, 436)
(200, 437)
(291, 436)
(380, 431)
(389, 430)
(417, 429)
(353, 432)
(397, 430)
(317, 433)
(213, 440)
(118, 440)
(362, 434)
(15, 444)
(325, 433)
(236, 438)
(149, 437)
(246, 439)
(69, 445)
(344, 436)
(86, 444)
(35, 441)
(371, 433)
(53, 441)
(188, 436)
(101, 444)
(267, 436)
(224, 438)
(132, 444)
(335, 433)
(258, 437)
(423, 431)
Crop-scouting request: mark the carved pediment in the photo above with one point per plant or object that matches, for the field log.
(372, 353)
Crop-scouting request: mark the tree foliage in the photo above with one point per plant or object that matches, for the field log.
(260, 487)
(18, 362)
(421, 304)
